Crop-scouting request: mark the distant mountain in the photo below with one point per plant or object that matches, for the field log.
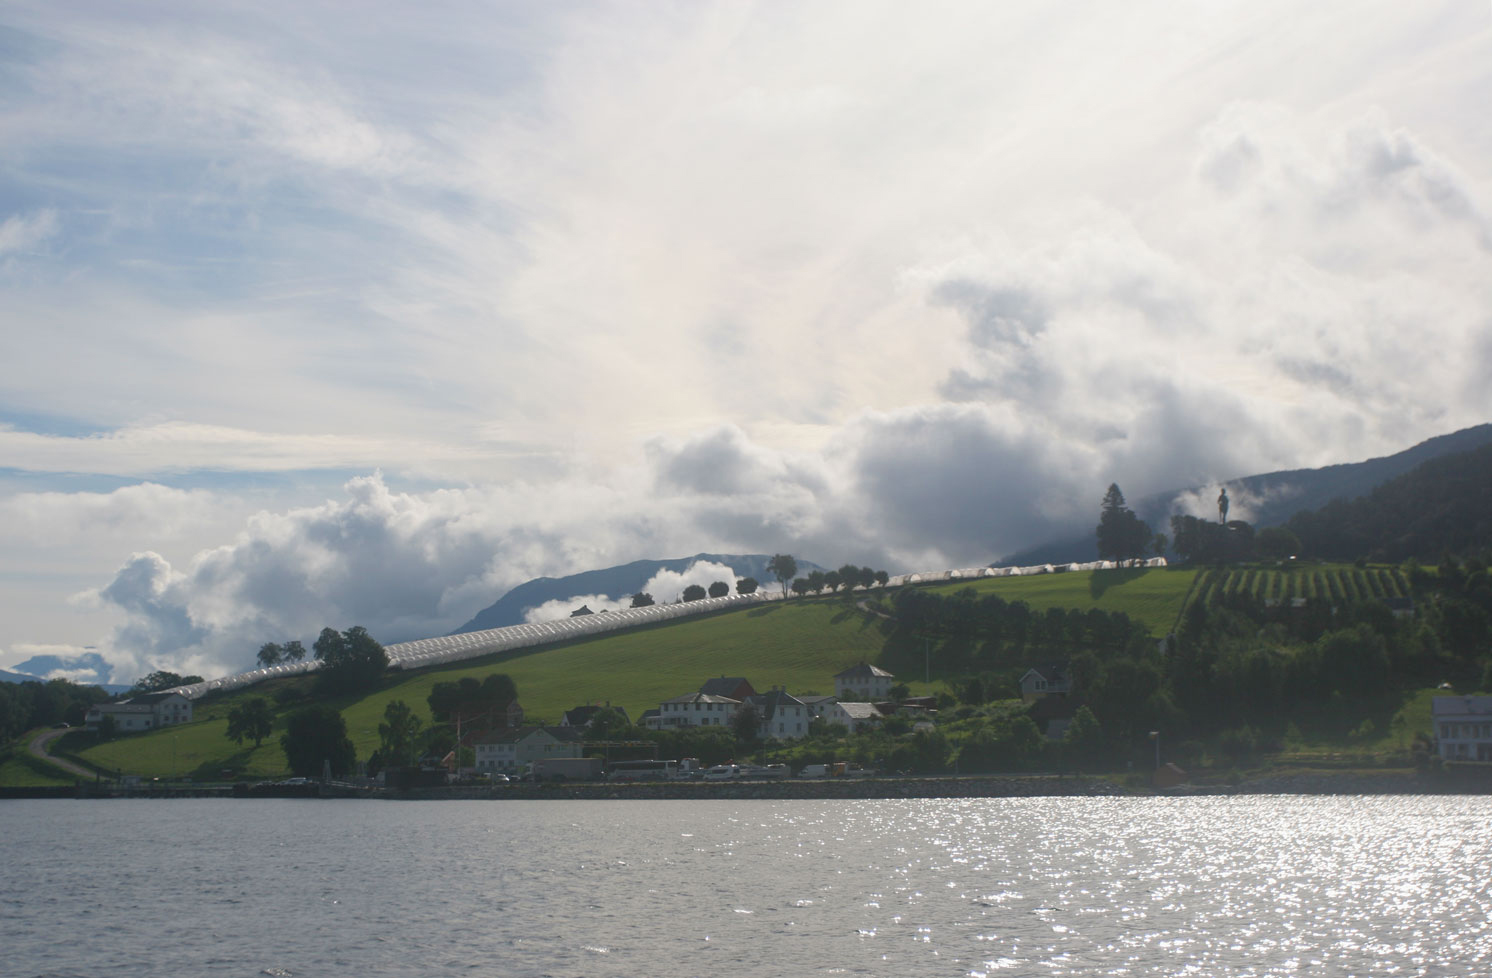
(1443, 506)
(625, 579)
(1282, 494)
(88, 669)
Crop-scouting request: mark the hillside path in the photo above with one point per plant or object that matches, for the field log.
(38, 749)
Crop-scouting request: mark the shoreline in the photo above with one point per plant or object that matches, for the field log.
(979, 786)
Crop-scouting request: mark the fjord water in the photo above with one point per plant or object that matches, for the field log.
(1248, 885)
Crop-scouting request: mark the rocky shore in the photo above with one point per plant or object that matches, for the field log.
(1476, 782)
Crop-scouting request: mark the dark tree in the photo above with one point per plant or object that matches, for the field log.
(351, 661)
(718, 589)
(783, 567)
(694, 592)
(329, 647)
(641, 600)
(1277, 543)
(293, 651)
(800, 586)
(745, 723)
(314, 735)
(399, 735)
(469, 698)
(162, 680)
(269, 655)
(832, 579)
(816, 581)
(250, 720)
(1121, 534)
(849, 576)
(746, 585)
(882, 578)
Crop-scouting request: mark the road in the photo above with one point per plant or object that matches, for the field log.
(38, 748)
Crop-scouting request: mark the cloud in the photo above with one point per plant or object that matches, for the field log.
(665, 587)
(637, 282)
(24, 233)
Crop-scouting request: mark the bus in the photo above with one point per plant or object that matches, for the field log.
(653, 770)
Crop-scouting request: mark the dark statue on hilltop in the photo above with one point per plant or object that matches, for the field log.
(1223, 504)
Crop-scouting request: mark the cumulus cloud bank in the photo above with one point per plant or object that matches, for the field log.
(665, 587)
(603, 282)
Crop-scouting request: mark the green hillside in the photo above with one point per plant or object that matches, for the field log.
(799, 644)
(1152, 596)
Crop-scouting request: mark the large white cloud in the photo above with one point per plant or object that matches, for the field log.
(864, 282)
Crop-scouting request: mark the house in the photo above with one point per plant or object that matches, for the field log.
(582, 716)
(1048, 680)
(148, 711)
(857, 716)
(1461, 728)
(782, 715)
(734, 687)
(509, 750)
(865, 683)
(697, 710)
(819, 707)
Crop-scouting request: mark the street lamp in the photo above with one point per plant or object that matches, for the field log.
(1156, 737)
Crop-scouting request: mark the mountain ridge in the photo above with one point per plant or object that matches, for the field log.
(1283, 493)
(621, 579)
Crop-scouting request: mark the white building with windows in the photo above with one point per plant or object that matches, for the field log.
(509, 750)
(697, 710)
(782, 716)
(1461, 728)
(149, 711)
(863, 683)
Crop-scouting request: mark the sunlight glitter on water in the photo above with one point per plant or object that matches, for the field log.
(1212, 886)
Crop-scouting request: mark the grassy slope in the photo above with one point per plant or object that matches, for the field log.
(1152, 597)
(800, 645)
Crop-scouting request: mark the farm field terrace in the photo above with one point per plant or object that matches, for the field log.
(797, 644)
(1152, 596)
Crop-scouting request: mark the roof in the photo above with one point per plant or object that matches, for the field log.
(864, 670)
(726, 686)
(1051, 671)
(153, 697)
(860, 711)
(1448, 706)
(701, 698)
(513, 735)
(768, 702)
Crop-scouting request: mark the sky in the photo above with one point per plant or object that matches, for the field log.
(323, 314)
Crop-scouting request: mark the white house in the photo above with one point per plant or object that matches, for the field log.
(1461, 727)
(820, 707)
(697, 710)
(863, 682)
(509, 750)
(148, 711)
(782, 716)
(1050, 680)
(854, 716)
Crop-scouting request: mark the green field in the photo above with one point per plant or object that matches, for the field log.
(1150, 596)
(799, 644)
(23, 771)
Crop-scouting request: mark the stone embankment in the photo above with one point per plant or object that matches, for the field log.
(851, 788)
